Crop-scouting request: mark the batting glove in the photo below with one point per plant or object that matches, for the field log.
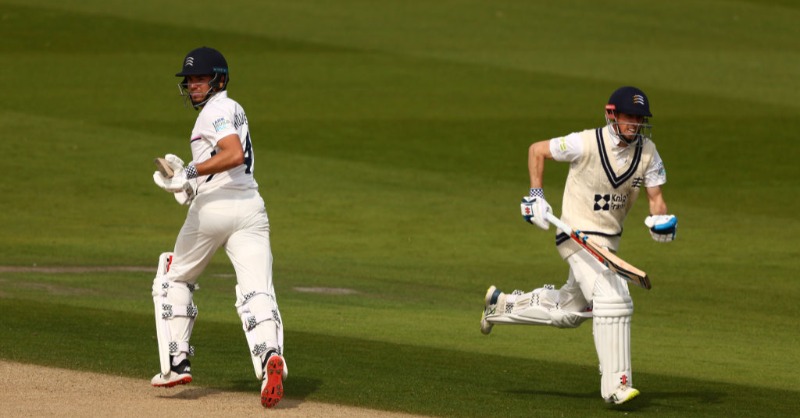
(185, 197)
(534, 209)
(175, 162)
(663, 228)
(182, 181)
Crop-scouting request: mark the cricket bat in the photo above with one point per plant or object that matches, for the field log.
(163, 167)
(604, 256)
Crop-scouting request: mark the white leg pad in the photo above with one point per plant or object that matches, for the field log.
(538, 307)
(535, 316)
(612, 336)
(174, 313)
(261, 322)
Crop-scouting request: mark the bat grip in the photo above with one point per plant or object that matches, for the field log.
(553, 219)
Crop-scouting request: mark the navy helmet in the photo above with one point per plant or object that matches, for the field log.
(204, 61)
(632, 101)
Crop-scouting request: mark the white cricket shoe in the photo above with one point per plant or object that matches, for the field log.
(622, 395)
(178, 375)
(489, 308)
(272, 387)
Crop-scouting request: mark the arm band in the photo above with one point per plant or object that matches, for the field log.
(191, 171)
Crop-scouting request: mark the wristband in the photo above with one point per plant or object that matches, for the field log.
(191, 171)
(537, 192)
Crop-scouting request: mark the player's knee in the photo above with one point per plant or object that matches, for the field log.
(610, 285)
(566, 319)
(180, 293)
(615, 306)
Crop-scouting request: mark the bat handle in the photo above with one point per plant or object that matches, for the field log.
(553, 219)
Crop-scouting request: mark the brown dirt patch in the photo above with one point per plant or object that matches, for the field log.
(34, 391)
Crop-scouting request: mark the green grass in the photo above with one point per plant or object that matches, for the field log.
(390, 144)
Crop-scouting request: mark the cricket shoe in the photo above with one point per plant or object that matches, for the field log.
(272, 387)
(489, 308)
(178, 375)
(622, 395)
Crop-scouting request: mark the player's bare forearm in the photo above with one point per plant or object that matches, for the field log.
(229, 155)
(537, 153)
(656, 199)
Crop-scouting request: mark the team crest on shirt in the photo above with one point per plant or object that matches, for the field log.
(221, 124)
(605, 202)
(661, 170)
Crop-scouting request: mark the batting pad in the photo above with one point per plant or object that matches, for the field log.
(174, 313)
(538, 307)
(612, 339)
(261, 322)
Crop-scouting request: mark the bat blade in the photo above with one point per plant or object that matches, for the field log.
(604, 256)
(614, 263)
(163, 167)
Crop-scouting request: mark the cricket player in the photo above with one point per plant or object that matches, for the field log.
(225, 210)
(608, 168)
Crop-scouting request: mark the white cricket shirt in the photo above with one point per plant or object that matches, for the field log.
(220, 117)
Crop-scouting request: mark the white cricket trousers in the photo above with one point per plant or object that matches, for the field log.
(236, 220)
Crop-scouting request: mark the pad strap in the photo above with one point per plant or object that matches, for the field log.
(250, 320)
(176, 347)
(171, 311)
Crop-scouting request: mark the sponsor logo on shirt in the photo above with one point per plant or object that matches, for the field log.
(603, 202)
(221, 124)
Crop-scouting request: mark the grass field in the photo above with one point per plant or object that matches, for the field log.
(390, 142)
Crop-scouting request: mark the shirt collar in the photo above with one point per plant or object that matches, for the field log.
(219, 95)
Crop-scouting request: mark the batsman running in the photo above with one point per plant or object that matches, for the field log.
(225, 210)
(608, 168)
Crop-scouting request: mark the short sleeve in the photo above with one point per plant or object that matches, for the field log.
(567, 148)
(217, 123)
(655, 174)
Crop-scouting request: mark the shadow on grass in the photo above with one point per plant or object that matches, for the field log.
(365, 373)
(189, 393)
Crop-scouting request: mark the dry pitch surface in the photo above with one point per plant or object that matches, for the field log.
(34, 391)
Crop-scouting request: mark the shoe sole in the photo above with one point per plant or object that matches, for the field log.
(185, 380)
(273, 391)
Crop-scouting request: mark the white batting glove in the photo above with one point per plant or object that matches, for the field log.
(663, 228)
(185, 197)
(174, 161)
(184, 190)
(182, 181)
(533, 210)
(174, 184)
